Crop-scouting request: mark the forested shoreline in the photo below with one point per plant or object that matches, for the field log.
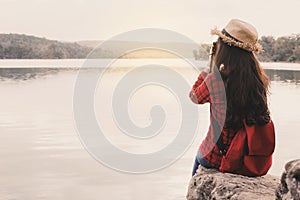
(20, 46)
(17, 46)
(282, 49)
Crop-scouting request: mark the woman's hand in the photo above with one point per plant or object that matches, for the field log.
(207, 70)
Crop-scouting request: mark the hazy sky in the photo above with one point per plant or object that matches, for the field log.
(72, 20)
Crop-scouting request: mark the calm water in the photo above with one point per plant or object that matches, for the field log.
(42, 157)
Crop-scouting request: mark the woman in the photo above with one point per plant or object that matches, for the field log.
(236, 89)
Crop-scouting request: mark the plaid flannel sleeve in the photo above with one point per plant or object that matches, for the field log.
(200, 80)
(200, 92)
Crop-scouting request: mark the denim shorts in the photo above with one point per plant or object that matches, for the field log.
(200, 161)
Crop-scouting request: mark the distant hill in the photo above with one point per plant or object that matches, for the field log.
(17, 46)
(89, 43)
(137, 49)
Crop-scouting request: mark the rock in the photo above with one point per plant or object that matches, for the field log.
(210, 184)
(289, 187)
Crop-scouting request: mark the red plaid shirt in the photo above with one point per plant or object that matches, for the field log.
(210, 88)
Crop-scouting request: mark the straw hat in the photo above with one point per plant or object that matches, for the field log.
(240, 34)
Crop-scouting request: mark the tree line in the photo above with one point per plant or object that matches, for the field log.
(282, 49)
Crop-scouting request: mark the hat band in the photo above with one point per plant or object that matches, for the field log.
(230, 40)
(230, 36)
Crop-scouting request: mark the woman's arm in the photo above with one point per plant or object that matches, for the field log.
(200, 93)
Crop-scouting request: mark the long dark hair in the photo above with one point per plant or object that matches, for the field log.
(246, 86)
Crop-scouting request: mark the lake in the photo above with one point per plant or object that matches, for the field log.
(42, 155)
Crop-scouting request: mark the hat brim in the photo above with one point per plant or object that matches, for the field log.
(246, 46)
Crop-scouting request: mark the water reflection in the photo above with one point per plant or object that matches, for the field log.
(42, 158)
(24, 74)
(283, 75)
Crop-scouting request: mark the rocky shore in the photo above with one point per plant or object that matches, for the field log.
(210, 184)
